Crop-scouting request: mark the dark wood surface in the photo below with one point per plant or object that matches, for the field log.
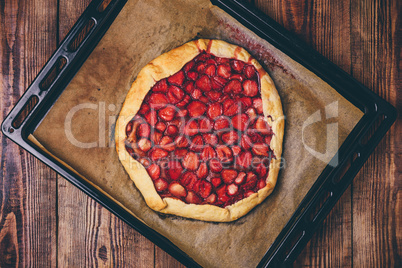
(45, 221)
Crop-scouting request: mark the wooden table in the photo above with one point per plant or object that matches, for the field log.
(45, 221)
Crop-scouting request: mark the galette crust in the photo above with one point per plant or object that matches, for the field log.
(166, 65)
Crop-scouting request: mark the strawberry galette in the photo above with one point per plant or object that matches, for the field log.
(200, 132)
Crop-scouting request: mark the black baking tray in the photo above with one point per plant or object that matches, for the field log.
(378, 117)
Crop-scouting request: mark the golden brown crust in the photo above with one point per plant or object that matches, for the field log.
(166, 65)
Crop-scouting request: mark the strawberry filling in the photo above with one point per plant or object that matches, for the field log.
(201, 133)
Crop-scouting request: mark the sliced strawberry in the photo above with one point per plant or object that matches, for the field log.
(262, 126)
(172, 130)
(197, 143)
(261, 149)
(216, 182)
(191, 128)
(180, 153)
(145, 162)
(190, 180)
(254, 136)
(196, 108)
(239, 77)
(202, 171)
(229, 175)
(167, 114)
(241, 178)
(210, 139)
(219, 81)
(224, 153)
(211, 199)
(191, 161)
(160, 185)
(248, 193)
(251, 181)
(177, 190)
(188, 66)
(174, 169)
(181, 142)
(177, 78)
(160, 126)
(129, 128)
(230, 107)
(240, 121)
(249, 71)
(246, 143)
(144, 109)
(261, 170)
(224, 71)
(205, 125)
(200, 67)
(144, 145)
(156, 137)
(184, 102)
(205, 189)
(237, 65)
(144, 130)
(182, 112)
(203, 56)
(261, 184)
(213, 95)
(210, 61)
(221, 123)
(154, 171)
(189, 87)
(230, 137)
(245, 102)
(157, 154)
(215, 165)
(193, 198)
(208, 153)
(251, 113)
(204, 99)
(232, 189)
(222, 194)
(250, 88)
(236, 150)
(151, 118)
(214, 110)
(204, 83)
(167, 143)
(234, 86)
(175, 94)
(157, 100)
(257, 103)
(196, 94)
(161, 86)
(192, 75)
(244, 159)
(210, 70)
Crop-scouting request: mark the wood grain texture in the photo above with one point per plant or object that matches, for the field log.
(89, 235)
(325, 25)
(375, 55)
(47, 222)
(27, 187)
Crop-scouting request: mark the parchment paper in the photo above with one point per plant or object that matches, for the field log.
(84, 115)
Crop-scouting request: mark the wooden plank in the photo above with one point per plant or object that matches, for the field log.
(164, 260)
(325, 25)
(27, 187)
(89, 235)
(376, 197)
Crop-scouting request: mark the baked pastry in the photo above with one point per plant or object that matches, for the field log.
(200, 132)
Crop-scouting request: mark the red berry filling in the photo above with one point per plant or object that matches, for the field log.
(201, 133)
